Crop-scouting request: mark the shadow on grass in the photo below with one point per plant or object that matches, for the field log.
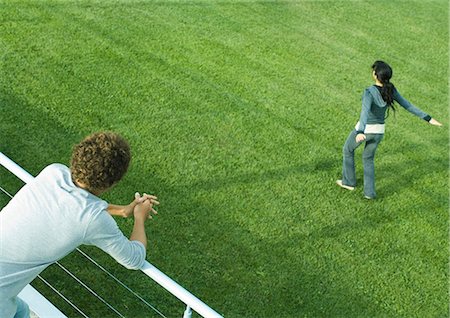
(275, 174)
(31, 137)
(257, 277)
(412, 173)
(281, 281)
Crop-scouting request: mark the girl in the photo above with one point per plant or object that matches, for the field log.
(370, 128)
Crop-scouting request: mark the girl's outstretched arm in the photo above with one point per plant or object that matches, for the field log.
(414, 110)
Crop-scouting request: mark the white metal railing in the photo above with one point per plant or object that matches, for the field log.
(41, 306)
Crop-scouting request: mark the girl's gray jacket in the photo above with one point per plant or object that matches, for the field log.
(374, 108)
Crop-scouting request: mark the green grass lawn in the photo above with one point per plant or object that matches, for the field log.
(236, 112)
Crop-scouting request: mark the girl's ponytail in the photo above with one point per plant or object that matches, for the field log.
(387, 92)
(383, 73)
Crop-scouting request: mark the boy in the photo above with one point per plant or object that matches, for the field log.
(59, 210)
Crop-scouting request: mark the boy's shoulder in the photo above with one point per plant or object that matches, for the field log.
(57, 177)
(55, 168)
(55, 173)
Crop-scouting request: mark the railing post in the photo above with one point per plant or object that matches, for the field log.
(187, 312)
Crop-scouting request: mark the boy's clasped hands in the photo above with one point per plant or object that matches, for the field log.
(141, 207)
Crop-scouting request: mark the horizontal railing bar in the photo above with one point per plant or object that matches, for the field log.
(17, 170)
(175, 289)
(39, 304)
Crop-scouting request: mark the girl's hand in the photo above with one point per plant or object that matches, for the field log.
(360, 137)
(434, 122)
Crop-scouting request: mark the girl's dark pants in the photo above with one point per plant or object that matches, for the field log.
(348, 170)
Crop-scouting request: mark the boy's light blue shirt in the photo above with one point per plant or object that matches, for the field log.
(46, 220)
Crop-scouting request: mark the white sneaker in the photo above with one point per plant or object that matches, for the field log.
(339, 183)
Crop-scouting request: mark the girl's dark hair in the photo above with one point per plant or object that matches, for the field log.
(384, 73)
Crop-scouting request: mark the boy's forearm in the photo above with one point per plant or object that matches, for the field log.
(121, 210)
(114, 209)
(138, 233)
(127, 210)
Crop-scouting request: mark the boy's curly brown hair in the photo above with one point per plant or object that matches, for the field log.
(100, 160)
